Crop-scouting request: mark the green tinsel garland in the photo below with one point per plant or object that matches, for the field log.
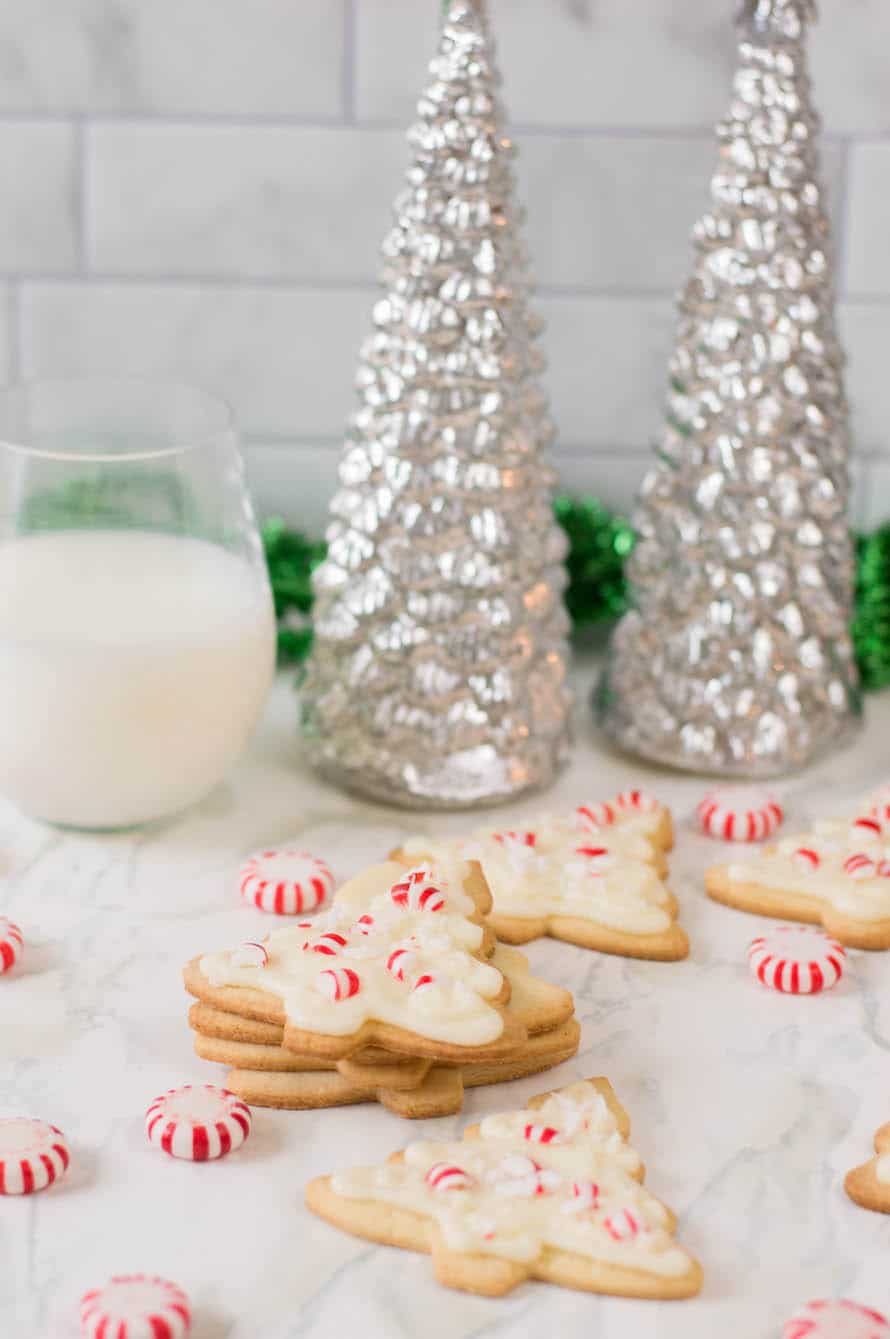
(599, 542)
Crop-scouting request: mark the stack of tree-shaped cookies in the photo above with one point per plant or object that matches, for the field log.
(399, 993)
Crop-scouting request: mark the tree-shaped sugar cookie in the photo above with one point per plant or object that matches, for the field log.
(592, 878)
(399, 961)
(869, 1185)
(837, 874)
(551, 1192)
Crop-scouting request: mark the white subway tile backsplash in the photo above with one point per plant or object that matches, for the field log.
(38, 197)
(241, 201)
(209, 57)
(565, 62)
(607, 368)
(199, 188)
(849, 65)
(294, 480)
(280, 357)
(616, 212)
(867, 268)
(865, 332)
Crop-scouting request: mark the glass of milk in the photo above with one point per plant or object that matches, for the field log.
(137, 633)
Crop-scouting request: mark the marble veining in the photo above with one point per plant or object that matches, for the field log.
(747, 1107)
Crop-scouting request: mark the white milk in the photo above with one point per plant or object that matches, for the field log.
(133, 667)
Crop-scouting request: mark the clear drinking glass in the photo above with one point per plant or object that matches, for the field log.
(137, 633)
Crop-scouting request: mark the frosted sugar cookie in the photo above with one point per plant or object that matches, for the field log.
(592, 878)
(224, 1038)
(837, 874)
(869, 1185)
(550, 1192)
(334, 986)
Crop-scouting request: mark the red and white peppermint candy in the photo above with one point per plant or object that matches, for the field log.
(517, 838)
(594, 816)
(250, 954)
(868, 825)
(517, 1175)
(427, 981)
(338, 983)
(638, 800)
(585, 1197)
(860, 866)
(364, 925)
(11, 944)
(739, 815)
(400, 961)
(797, 960)
(623, 1225)
(33, 1154)
(445, 1176)
(330, 943)
(542, 1134)
(417, 893)
(198, 1123)
(806, 859)
(287, 882)
(135, 1306)
(598, 859)
(830, 1318)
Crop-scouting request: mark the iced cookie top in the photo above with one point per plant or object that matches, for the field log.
(397, 946)
(596, 863)
(845, 861)
(555, 1176)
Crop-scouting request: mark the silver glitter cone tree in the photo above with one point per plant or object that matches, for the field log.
(736, 658)
(438, 667)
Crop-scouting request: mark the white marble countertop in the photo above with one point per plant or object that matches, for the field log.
(747, 1107)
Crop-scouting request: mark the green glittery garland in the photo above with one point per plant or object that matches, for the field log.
(599, 542)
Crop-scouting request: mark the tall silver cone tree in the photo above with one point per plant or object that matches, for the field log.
(736, 658)
(437, 676)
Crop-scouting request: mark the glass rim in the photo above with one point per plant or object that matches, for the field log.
(218, 416)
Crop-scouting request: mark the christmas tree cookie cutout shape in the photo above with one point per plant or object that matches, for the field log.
(552, 1192)
(592, 878)
(836, 874)
(399, 961)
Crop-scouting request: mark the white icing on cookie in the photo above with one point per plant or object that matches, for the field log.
(822, 864)
(882, 1168)
(562, 867)
(520, 1194)
(443, 995)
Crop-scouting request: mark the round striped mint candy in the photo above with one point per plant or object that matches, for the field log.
(11, 943)
(739, 815)
(446, 1176)
(836, 1318)
(338, 983)
(542, 1134)
(639, 801)
(593, 816)
(33, 1154)
(135, 1306)
(286, 882)
(197, 1123)
(797, 960)
(622, 1225)
(417, 893)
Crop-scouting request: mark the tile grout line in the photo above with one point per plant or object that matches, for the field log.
(842, 214)
(82, 214)
(13, 316)
(349, 62)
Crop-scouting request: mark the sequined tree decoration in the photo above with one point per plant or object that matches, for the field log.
(437, 672)
(736, 658)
